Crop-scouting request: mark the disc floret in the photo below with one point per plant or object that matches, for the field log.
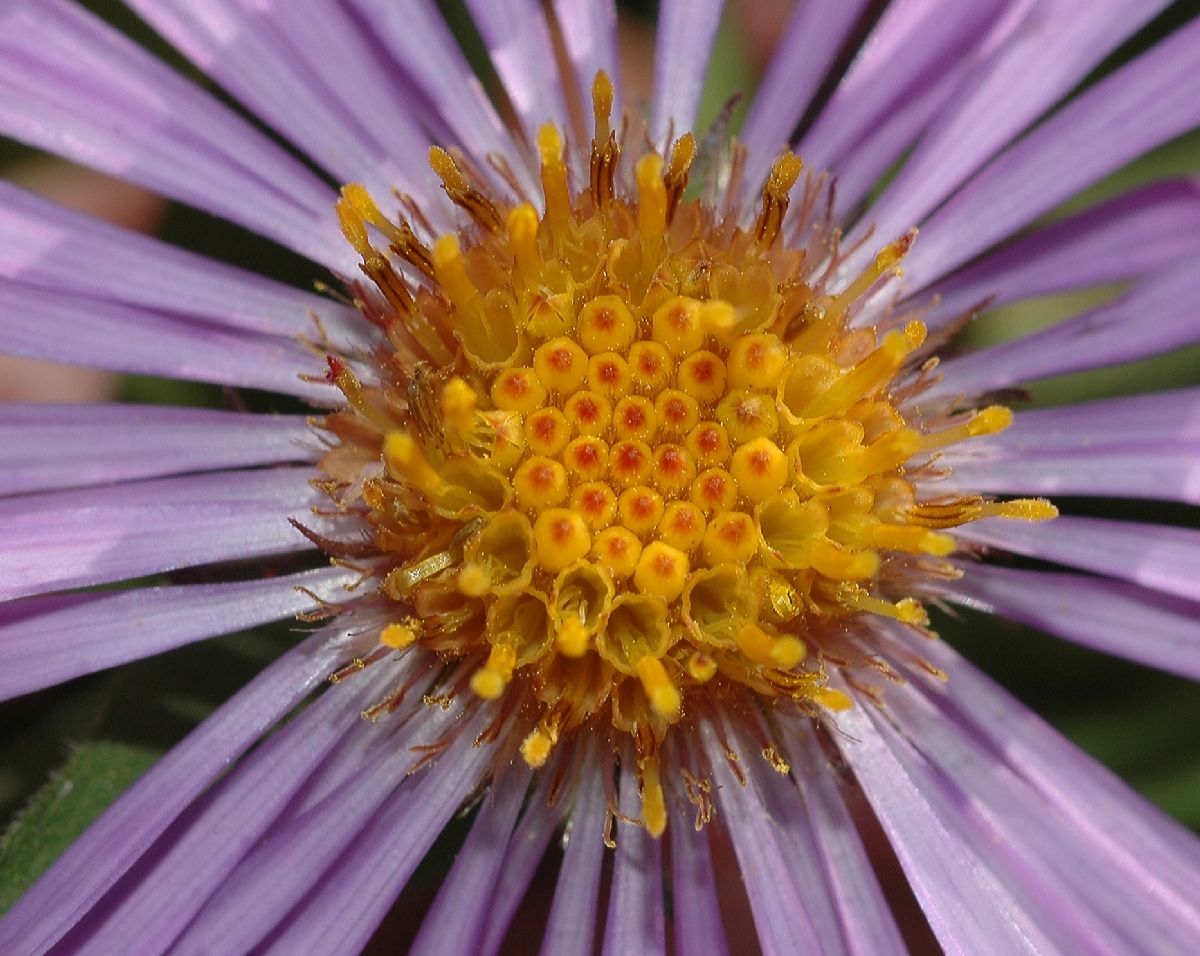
(634, 457)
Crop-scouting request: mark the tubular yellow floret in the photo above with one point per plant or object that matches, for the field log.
(560, 538)
(662, 570)
(606, 325)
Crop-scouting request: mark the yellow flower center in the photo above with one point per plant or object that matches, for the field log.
(634, 456)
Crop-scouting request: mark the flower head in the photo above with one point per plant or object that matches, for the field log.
(637, 463)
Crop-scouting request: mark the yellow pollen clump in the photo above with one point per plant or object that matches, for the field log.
(631, 456)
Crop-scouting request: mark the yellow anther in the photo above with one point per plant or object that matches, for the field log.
(609, 374)
(358, 197)
(662, 570)
(451, 271)
(630, 463)
(354, 228)
(474, 580)
(640, 508)
(654, 806)
(676, 325)
(540, 481)
(682, 526)
(490, 680)
(756, 361)
(714, 490)
(458, 405)
(832, 699)
(887, 258)
(651, 366)
(586, 459)
(462, 193)
(522, 237)
(729, 538)
(617, 550)
(635, 418)
(913, 539)
(596, 503)
(701, 667)
(702, 375)
(665, 699)
(915, 332)
(760, 469)
(561, 365)
(588, 412)
(518, 390)
(547, 431)
(447, 170)
(652, 196)
(674, 469)
(406, 462)
(708, 443)
(988, 421)
(560, 538)
(554, 178)
(397, 636)
(572, 638)
(606, 325)
(779, 184)
(536, 747)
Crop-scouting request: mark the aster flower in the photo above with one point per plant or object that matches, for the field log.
(636, 457)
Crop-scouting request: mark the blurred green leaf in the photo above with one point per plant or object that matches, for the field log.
(93, 777)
